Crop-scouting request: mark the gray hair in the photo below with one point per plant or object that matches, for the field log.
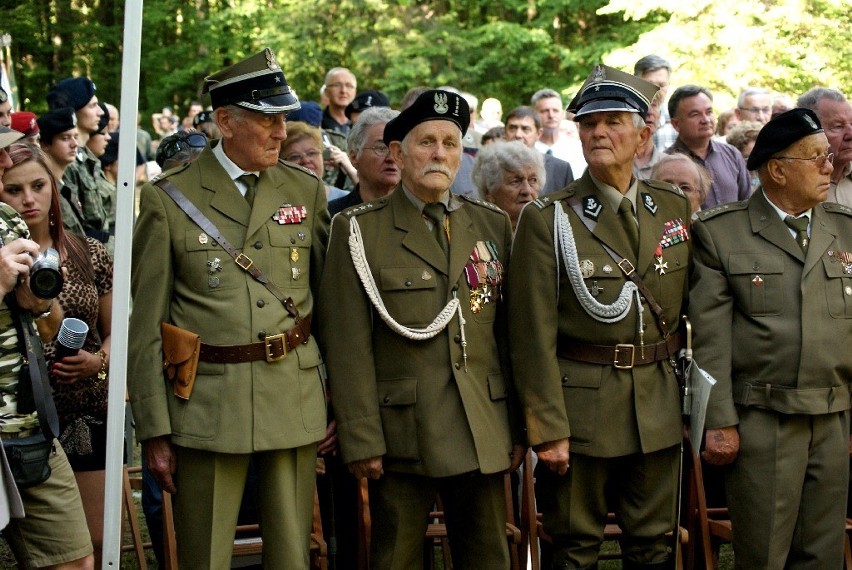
(334, 71)
(371, 116)
(704, 179)
(811, 98)
(471, 99)
(493, 159)
(544, 94)
(749, 92)
(651, 63)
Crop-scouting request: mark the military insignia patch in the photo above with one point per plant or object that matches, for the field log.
(289, 214)
(587, 268)
(674, 232)
(844, 257)
(441, 103)
(592, 207)
(484, 275)
(649, 203)
(202, 239)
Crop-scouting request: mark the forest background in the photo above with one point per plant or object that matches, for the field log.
(506, 49)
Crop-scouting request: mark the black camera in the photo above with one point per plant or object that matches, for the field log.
(46, 279)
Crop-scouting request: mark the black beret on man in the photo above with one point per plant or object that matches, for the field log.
(104, 120)
(55, 122)
(364, 101)
(432, 105)
(608, 89)
(780, 133)
(256, 84)
(202, 117)
(74, 92)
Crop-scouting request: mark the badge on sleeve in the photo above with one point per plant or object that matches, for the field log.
(290, 214)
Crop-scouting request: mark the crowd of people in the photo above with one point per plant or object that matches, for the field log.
(419, 296)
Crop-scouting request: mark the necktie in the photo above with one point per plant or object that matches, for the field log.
(250, 180)
(435, 212)
(628, 222)
(800, 226)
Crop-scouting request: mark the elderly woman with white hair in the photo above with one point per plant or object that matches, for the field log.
(509, 175)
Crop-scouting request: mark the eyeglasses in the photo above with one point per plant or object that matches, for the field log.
(758, 110)
(296, 157)
(818, 160)
(341, 85)
(380, 150)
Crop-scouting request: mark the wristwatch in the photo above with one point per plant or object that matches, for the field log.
(45, 314)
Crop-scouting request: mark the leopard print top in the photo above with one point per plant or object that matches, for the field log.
(84, 403)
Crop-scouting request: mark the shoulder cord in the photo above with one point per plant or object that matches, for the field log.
(359, 260)
(563, 242)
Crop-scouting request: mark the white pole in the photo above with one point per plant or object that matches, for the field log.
(125, 190)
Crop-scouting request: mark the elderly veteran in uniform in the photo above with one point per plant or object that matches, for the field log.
(770, 308)
(259, 393)
(414, 332)
(598, 283)
(510, 175)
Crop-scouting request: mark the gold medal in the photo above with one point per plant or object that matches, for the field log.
(202, 239)
(294, 254)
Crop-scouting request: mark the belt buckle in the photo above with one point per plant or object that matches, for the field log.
(626, 266)
(267, 342)
(243, 261)
(616, 362)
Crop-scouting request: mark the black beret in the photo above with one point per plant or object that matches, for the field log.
(432, 105)
(781, 132)
(608, 89)
(202, 117)
(103, 121)
(364, 101)
(55, 122)
(310, 113)
(110, 155)
(256, 84)
(74, 92)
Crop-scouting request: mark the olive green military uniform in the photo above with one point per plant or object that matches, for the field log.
(624, 422)
(438, 412)
(70, 206)
(772, 326)
(272, 412)
(82, 174)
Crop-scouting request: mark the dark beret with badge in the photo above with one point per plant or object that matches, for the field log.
(432, 105)
(364, 101)
(103, 121)
(310, 113)
(25, 122)
(256, 84)
(608, 89)
(74, 92)
(781, 132)
(8, 136)
(202, 117)
(55, 122)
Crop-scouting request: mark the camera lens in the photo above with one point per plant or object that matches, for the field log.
(46, 279)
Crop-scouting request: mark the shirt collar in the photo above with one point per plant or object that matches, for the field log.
(234, 171)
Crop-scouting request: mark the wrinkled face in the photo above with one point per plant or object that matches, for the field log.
(660, 78)
(429, 158)
(684, 175)
(5, 114)
(252, 140)
(521, 129)
(89, 116)
(63, 147)
(836, 119)
(341, 88)
(610, 139)
(374, 163)
(807, 173)
(694, 120)
(756, 108)
(305, 152)
(97, 143)
(550, 112)
(516, 190)
(27, 189)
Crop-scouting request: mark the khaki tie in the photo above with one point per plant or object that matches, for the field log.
(250, 180)
(435, 212)
(628, 222)
(800, 226)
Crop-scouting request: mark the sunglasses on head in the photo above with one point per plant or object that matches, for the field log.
(176, 145)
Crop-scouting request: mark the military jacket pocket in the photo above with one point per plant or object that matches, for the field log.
(291, 254)
(757, 281)
(410, 294)
(397, 399)
(207, 267)
(838, 288)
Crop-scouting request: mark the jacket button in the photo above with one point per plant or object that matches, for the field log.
(408, 282)
(457, 338)
(457, 365)
(565, 380)
(386, 400)
(292, 240)
(261, 303)
(257, 245)
(261, 335)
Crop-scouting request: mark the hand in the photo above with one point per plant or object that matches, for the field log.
(72, 368)
(371, 468)
(328, 446)
(516, 457)
(338, 158)
(161, 461)
(16, 258)
(554, 454)
(721, 446)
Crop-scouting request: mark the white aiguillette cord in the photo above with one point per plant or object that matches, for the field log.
(359, 260)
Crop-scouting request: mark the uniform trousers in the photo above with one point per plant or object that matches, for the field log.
(210, 488)
(474, 510)
(641, 490)
(787, 490)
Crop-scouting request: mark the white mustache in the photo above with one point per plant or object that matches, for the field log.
(436, 168)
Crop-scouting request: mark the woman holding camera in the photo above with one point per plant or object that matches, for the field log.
(79, 382)
(304, 146)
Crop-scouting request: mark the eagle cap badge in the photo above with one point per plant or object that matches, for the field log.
(441, 103)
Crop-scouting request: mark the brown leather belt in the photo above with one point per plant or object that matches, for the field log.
(622, 356)
(274, 347)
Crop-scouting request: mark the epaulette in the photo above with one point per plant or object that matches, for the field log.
(479, 202)
(553, 197)
(297, 167)
(667, 186)
(373, 205)
(169, 172)
(836, 208)
(721, 209)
